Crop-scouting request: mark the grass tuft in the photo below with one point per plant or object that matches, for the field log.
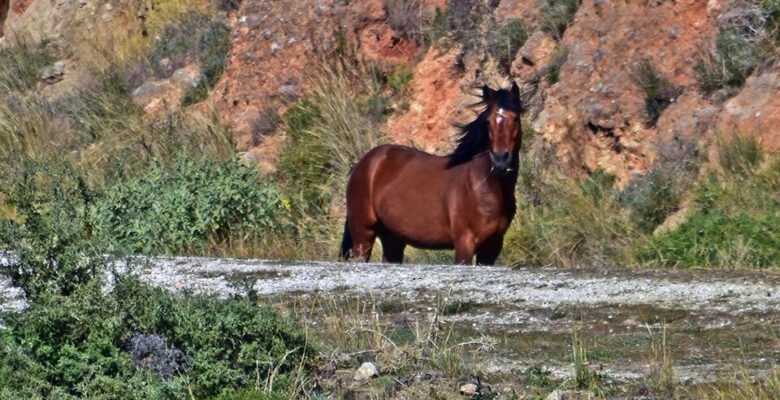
(659, 92)
(505, 41)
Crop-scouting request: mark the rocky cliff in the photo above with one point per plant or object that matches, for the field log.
(614, 85)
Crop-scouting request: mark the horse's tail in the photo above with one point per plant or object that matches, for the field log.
(346, 242)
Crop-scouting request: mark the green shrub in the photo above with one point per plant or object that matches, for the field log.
(733, 221)
(173, 210)
(505, 41)
(555, 15)
(92, 344)
(651, 197)
(714, 239)
(53, 236)
(331, 129)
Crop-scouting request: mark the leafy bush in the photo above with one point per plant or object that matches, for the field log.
(505, 41)
(173, 210)
(659, 92)
(733, 221)
(137, 342)
(555, 15)
(54, 243)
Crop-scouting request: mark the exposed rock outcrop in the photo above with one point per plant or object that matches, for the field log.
(595, 115)
(755, 110)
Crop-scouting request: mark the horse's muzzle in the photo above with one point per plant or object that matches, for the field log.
(502, 161)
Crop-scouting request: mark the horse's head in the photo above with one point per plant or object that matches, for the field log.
(503, 118)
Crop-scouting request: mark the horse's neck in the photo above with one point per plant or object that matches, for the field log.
(506, 182)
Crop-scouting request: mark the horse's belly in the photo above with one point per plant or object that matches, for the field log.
(418, 217)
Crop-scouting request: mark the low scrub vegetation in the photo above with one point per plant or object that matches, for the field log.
(733, 220)
(730, 216)
(79, 338)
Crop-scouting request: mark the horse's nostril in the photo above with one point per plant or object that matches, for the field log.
(502, 156)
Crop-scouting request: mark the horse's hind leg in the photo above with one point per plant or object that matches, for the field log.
(363, 237)
(392, 248)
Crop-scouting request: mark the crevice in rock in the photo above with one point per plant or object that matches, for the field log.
(5, 5)
(598, 130)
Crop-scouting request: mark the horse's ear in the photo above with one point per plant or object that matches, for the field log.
(488, 94)
(515, 90)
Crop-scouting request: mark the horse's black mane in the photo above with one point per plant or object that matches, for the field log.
(474, 137)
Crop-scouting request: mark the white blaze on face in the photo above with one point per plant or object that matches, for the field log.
(500, 117)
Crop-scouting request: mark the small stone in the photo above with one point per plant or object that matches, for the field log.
(53, 73)
(275, 47)
(188, 76)
(469, 389)
(570, 395)
(267, 34)
(366, 371)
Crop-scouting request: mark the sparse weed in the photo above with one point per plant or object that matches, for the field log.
(661, 368)
(739, 386)
(740, 155)
(552, 72)
(21, 64)
(407, 18)
(744, 42)
(555, 15)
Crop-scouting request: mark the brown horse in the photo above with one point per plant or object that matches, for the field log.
(464, 201)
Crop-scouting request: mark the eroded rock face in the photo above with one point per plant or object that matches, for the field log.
(277, 46)
(755, 110)
(595, 115)
(439, 96)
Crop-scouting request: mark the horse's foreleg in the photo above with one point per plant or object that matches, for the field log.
(488, 252)
(392, 248)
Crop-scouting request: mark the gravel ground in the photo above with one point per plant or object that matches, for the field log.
(531, 288)
(519, 302)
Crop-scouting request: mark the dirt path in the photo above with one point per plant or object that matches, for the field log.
(716, 320)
